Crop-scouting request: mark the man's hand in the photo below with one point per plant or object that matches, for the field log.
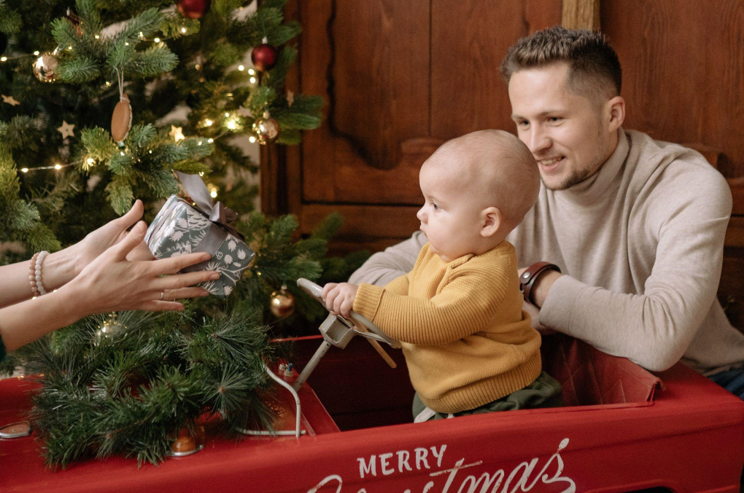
(339, 298)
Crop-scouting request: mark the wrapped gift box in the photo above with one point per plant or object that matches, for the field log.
(180, 228)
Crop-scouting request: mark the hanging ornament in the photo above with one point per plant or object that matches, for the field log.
(264, 56)
(121, 121)
(75, 21)
(193, 9)
(10, 100)
(66, 130)
(282, 303)
(176, 133)
(109, 329)
(266, 129)
(45, 68)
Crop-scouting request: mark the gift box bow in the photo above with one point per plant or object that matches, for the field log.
(217, 212)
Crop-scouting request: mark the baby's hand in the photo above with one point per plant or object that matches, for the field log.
(339, 298)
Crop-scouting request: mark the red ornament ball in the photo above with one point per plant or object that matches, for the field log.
(264, 57)
(194, 9)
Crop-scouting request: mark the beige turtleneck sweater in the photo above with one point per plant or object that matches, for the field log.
(641, 244)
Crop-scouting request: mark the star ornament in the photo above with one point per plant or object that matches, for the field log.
(66, 130)
(176, 133)
(10, 100)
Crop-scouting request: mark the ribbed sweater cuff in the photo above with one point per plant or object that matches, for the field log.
(558, 308)
(367, 300)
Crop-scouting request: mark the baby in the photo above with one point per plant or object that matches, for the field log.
(468, 345)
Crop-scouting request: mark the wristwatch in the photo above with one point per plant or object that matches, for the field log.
(530, 276)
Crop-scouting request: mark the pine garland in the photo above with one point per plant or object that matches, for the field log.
(131, 392)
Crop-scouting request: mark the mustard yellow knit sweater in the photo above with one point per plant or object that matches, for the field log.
(465, 338)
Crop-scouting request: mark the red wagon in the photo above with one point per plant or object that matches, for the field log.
(621, 429)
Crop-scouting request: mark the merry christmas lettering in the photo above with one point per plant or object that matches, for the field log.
(524, 477)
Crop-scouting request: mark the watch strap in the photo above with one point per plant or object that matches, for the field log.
(531, 274)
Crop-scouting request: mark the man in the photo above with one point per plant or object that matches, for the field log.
(634, 227)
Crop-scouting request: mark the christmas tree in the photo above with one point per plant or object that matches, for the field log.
(102, 101)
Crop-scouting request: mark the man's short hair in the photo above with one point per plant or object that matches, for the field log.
(594, 69)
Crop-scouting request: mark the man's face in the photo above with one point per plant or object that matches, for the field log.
(567, 133)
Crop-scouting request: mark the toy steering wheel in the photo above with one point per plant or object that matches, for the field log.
(368, 330)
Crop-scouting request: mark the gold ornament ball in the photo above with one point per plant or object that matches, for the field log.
(45, 68)
(111, 328)
(282, 303)
(266, 129)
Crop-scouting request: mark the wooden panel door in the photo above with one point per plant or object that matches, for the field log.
(400, 78)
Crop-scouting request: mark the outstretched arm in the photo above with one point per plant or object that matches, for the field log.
(395, 261)
(109, 283)
(61, 267)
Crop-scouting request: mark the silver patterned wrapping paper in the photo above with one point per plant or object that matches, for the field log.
(180, 228)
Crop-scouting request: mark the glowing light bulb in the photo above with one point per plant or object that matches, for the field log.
(241, 67)
(36, 53)
(90, 161)
(210, 140)
(2, 59)
(57, 166)
(208, 122)
(251, 71)
(253, 80)
(252, 139)
(183, 30)
(24, 170)
(157, 40)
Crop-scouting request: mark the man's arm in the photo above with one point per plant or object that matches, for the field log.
(395, 261)
(655, 328)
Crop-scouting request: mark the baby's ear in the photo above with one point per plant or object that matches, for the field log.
(491, 221)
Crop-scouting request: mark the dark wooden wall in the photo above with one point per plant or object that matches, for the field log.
(400, 77)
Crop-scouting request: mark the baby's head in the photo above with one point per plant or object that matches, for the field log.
(477, 187)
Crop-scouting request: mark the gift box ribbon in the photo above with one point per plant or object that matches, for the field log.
(217, 212)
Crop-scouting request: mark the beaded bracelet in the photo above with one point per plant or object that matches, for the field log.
(39, 279)
(32, 275)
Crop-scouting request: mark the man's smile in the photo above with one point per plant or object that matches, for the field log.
(549, 164)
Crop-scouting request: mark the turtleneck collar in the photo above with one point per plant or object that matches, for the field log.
(589, 190)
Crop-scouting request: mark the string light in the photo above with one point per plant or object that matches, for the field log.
(58, 167)
(157, 40)
(251, 71)
(253, 80)
(210, 140)
(98, 36)
(208, 122)
(3, 59)
(252, 139)
(241, 68)
(183, 30)
(24, 170)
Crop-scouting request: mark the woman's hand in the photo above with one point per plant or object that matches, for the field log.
(110, 282)
(339, 298)
(108, 235)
